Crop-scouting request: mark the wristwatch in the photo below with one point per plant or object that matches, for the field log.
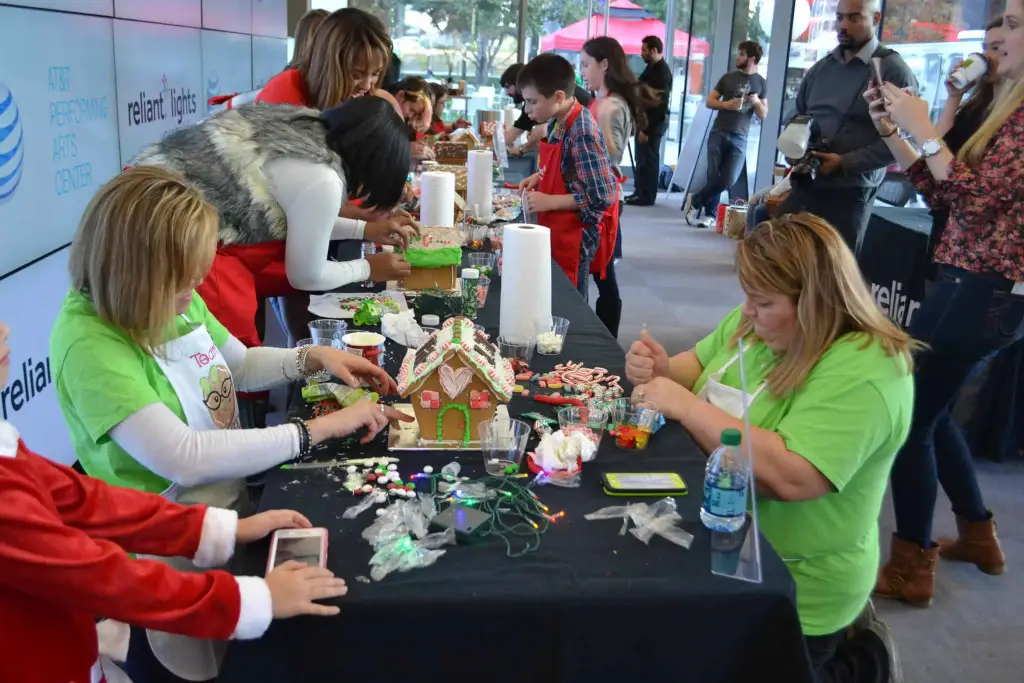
(932, 147)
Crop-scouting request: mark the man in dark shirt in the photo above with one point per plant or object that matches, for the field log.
(524, 124)
(854, 159)
(658, 75)
(738, 96)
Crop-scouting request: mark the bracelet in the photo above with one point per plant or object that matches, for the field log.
(300, 362)
(893, 132)
(305, 437)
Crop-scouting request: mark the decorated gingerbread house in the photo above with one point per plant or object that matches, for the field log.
(435, 256)
(456, 380)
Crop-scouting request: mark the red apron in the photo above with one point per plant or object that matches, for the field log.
(565, 226)
(610, 223)
(241, 275)
(439, 127)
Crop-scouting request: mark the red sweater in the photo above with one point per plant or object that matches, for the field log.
(285, 88)
(64, 543)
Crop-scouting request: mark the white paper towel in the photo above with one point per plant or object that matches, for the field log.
(437, 199)
(480, 183)
(511, 114)
(525, 283)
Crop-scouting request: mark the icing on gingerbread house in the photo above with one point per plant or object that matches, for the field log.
(456, 380)
(435, 256)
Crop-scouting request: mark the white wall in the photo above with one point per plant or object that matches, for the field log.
(84, 85)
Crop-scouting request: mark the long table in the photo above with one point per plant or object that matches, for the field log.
(589, 605)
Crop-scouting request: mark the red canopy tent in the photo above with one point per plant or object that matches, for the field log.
(628, 30)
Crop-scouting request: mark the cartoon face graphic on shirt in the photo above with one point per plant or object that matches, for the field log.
(219, 397)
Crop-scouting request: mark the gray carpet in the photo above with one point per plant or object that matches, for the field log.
(680, 282)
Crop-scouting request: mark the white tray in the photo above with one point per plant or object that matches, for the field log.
(327, 305)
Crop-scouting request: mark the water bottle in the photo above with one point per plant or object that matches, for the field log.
(725, 485)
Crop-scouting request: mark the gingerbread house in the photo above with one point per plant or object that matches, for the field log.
(456, 380)
(435, 256)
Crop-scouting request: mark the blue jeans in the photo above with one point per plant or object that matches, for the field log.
(726, 154)
(965, 321)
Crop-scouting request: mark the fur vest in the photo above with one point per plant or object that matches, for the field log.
(223, 156)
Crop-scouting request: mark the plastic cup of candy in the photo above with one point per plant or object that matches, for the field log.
(497, 260)
(327, 328)
(323, 375)
(485, 263)
(516, 350)
(586, 421)
(503, 443)
(634, 426)
(483, 285)
(550, 343)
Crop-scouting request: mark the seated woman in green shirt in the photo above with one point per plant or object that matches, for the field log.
(830, 403)
(146, 376)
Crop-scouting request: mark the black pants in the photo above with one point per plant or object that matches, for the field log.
(846, 208)
(648, 166)
(834, 659)
(609, 303)
(727, 153)
(142, 665)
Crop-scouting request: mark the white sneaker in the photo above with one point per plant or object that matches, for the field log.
(706, 222)
(693, 217)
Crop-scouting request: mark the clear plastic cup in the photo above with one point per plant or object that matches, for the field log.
(588, 421)
(517, 350)
(633, 426)
(483, 286)
(503, 443)
(324, 329)
(484, 263)
(550, 343)
(323, 375)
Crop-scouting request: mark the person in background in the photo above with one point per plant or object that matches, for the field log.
(438, 101)
(279, 176)
(657, 76)
(413, 96)
(738, 96)
(853, 162)
(64, 562)
(304, 32)
(524, 124)
(394, 71)
(146, 376)
(960, 119)
(830, 404)
(574, 193)
(975, 309)
(619, 105)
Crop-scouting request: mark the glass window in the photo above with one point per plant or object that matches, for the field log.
(752, 21)
(695, 30)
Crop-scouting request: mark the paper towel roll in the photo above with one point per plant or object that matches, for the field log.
(525, 283)
(480, 183)
(511, 114)
(437, 199)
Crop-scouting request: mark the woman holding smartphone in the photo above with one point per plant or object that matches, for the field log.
(975, 310)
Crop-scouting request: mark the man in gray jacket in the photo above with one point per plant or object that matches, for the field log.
(853, 159)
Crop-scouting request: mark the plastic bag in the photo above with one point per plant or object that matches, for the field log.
(401, 539)
(659, 519)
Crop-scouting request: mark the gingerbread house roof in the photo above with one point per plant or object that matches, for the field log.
(475, 350)
(435, 247)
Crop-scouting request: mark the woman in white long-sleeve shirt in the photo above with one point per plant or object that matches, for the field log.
(278, 175)
(146, 375)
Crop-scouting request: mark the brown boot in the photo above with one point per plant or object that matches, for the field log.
(976, 544)
(909, 575)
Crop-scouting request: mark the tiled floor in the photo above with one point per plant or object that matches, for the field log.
(680, 282)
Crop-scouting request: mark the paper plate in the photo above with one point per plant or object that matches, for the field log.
(330, 305)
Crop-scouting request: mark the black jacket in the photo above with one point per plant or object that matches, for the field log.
(659, 77)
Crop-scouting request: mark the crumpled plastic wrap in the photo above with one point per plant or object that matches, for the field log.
(401, 540)
(658, 519)
(403, 329)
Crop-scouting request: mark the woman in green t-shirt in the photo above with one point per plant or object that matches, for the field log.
(830, 398)
(146, 376)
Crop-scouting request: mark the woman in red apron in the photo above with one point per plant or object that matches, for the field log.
(619, 107)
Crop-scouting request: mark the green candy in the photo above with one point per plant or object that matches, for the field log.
(369, 314)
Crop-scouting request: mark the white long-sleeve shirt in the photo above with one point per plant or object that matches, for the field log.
(311, 195)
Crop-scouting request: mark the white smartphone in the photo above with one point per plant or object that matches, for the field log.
(308, 546)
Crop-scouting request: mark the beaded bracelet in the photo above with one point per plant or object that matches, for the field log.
(305, 438)
(300, 362)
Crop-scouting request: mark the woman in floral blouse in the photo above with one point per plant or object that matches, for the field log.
(976, 309)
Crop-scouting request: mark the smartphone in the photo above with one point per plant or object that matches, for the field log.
(876, 72)
(308, 546)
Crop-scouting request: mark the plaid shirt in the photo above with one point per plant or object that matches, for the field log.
(587, 173)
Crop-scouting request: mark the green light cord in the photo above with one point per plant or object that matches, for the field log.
(515, 512)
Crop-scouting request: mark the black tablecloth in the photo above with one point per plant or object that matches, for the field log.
(588, 606)
(893, 256)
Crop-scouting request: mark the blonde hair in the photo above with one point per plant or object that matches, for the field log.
(1006, 103)
(804, 258)
(339, 41)
(146, 237)
(304, 32)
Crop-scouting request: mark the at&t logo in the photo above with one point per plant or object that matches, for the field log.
(12, 145)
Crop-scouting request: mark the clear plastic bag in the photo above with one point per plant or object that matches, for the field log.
(659, 519)
(401, 540)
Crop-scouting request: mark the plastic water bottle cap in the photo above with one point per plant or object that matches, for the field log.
(430, 320)
(470, 274)
(731, 437)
